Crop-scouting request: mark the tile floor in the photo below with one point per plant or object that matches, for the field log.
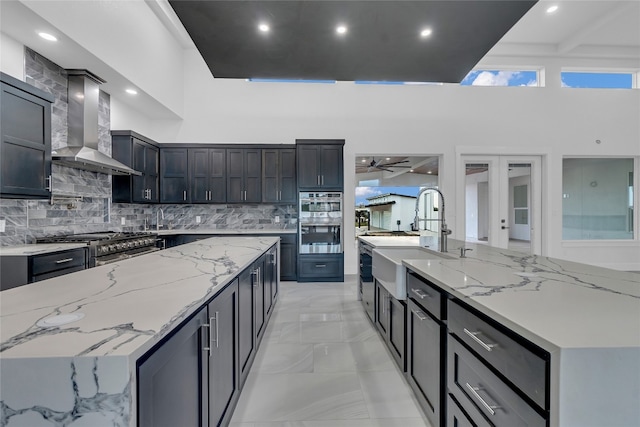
(322, 364)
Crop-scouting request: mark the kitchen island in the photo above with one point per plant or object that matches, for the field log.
(583, 321)
(83, 373)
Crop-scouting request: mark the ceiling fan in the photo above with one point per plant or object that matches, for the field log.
(382, 165)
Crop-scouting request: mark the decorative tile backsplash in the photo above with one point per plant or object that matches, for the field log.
(90, 210)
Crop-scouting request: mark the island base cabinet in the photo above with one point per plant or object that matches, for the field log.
(174, 378)
(246, 328)
(368, 291)
(483, 395)
(390, 319)
(425, 362)
(222, 356)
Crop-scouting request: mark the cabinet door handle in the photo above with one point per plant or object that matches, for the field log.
(184, 195)
(207, 348)
(48, 182)
(211, 319)
(280, 195)
(318, 179)
(62, 261)
(420, 315)
(419, 293)
(474, 336)
(321, 179)
(474, 391)
(321, 265)
(245, 195)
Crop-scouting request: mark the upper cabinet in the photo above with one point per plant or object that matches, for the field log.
(25, 149)
(142, 155)
(244, 173)
(320, 164)
(208, 175)
(279, 175)
(174, 175)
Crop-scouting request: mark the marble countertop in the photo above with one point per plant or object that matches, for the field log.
(553, 303)
(240, 232)
(39, 249)
(128, 306)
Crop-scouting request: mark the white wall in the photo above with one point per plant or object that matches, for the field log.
(11, 57)
(448, 120)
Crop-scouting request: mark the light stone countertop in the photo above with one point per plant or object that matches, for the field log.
(586, 317)
(239, 232)
(128, 307)
(38, 249)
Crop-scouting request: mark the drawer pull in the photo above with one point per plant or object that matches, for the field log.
(420, 315)
(484, 345)
(474, 391)
(62, 261)
(420, 293)
(321, 265)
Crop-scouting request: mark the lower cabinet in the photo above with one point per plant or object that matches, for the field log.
(193, 378)
(173, 380)
(321, 268)
(390, 319)
(270, 280)
(18, 270)
(368, 294)
(289, 257)
(223, 355)
(246, 326)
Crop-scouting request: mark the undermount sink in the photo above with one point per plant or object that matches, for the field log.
(387, 267)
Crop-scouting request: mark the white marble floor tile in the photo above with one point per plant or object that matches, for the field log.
(284, 358)
(291, 397)
(387, 395)
(322, 364)
(389, 422)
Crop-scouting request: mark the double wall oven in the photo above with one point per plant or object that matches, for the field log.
(320, 222)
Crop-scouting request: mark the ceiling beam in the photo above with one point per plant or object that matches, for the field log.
(579, 36)
(405, 170)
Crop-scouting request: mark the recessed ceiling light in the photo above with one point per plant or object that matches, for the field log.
(48, 36)
(131, 91)
(264, 28)
(388, 158)
(411, 170)
(364, 160)
(426, 32)
(429, 172)
(341, 29)
(552, 9)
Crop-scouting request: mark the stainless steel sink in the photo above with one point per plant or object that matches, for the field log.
(388, 269)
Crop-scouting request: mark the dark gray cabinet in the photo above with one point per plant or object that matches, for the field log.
(366, 284)
(208, 175)
(246, 323)
(173, 379)
(222, 356)
(279, 183)
(259, 297)
(320, 268)
(19, 270)
(25, 147)
(142, 155)
(270, 280)
(320, 164)
(244, 173)
(426, 347)
(390, 319)
(288, 257)
(174, 175)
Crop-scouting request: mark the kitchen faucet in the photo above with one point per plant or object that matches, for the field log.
(159, 213)
(444, 231)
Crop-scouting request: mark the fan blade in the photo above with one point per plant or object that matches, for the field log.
(395, 163)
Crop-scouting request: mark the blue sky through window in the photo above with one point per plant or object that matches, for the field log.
(500, 78)
(597, 80)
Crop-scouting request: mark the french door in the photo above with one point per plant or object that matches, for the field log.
(502, 199)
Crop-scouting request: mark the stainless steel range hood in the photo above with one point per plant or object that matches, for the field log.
(81, 151)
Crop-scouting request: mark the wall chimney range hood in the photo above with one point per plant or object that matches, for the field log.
(81, 151)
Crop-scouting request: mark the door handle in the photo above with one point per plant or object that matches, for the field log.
(504, 227)
(62, 261)
(207, 348)
(474, 336)
(474, 391)
(211, 319)
(420, 315)
(184, 195)
(48, 183)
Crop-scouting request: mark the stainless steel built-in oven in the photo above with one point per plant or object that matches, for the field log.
(320, 222)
